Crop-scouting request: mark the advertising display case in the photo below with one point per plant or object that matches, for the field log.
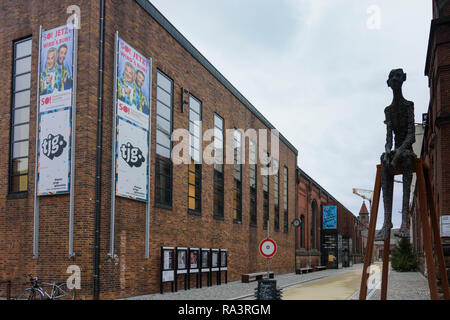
(215, 264)
(205, 265)
(224, 264)
(194, 268)
(167, 267)
(181, 266)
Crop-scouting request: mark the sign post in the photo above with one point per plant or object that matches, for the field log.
(267, 289)
(268, 249)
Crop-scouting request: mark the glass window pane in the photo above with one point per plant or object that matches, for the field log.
(23, 65)
(163, 82)
(22, 82)
(163, 125)
(192, 203)
(162, 139)
(194, 105)
(162, 110)
(164, 152)
(194, 116)
(20, 149)
(20, 166)
(21, 132)
(22, 99)
(22, 115)
(163, 96)
(218, 122)
(23, 48)
(19, 183)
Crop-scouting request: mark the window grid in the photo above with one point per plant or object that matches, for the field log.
(276, 196)
(265, 181)
(237, 197)
(285, 200)
(195, 167)
(164, 127)
(253, 183)
(219, 188)
(20, 116)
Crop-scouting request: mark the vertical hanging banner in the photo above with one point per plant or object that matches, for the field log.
(132, 123)
(55, 110)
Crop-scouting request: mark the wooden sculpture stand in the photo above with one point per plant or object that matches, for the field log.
(430, 232)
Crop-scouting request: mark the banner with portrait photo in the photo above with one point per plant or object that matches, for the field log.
(56, 86)
(133, 83)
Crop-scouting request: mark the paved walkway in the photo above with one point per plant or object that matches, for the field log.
(337, 287)
(237, 290)
(401, 286)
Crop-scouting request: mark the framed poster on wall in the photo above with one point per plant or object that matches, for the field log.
(132, 122)
(167, 264)
(57, 67)
(329, 217)
(193, 260)
(223, 259)
(181, 260)
(214, 260)
(205, 260)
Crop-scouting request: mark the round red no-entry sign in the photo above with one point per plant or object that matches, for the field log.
(268, 248)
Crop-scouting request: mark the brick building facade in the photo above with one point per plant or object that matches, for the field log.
(129, 272)
(311, 249)
(436, 142)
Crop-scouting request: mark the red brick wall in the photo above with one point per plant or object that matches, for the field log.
(307, 192)
(129, 273)
(436, 145)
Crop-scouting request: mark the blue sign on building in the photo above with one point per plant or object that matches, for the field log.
(329, 217)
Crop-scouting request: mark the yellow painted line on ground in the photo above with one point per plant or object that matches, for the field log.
(338, 287)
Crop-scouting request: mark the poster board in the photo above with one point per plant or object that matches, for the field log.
(57, 67)
(329, 217)
(205, 260)
(445, 226)
(194, 258)
(215, 260)
(167, 264)
(132, 123)
(181, 261)
(223, 259)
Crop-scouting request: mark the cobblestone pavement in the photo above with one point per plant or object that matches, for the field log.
(237, 290)
(401, 286)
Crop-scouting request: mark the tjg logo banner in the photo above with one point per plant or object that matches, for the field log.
(132, 156)
(53, 146)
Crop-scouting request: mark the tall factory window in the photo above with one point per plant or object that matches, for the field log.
(313, 224)
(253, 182)
(219, 188)
(20, 116)
(285, 199)
(265, 182)
(195, 147)
(164, 125)
(276, 198)
(237, 192)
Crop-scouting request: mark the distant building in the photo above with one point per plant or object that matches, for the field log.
(316, 245)
(364, 214)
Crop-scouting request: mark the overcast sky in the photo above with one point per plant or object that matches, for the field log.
(317, 70)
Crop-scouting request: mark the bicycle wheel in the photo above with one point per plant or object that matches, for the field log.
(62, 292)
(30, 294)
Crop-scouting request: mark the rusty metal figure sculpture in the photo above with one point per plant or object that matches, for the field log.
(399, 122)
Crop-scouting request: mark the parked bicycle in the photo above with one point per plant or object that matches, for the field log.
(37, 292)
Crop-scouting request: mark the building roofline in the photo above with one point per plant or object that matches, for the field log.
(303, 173)
(434, 24)
(165, 23)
